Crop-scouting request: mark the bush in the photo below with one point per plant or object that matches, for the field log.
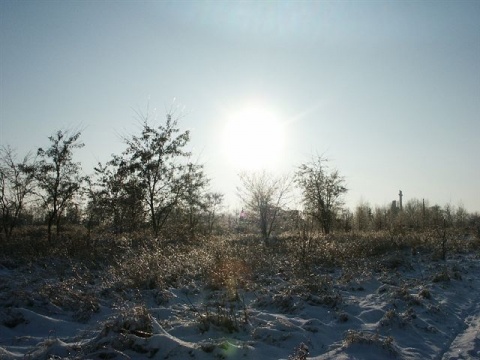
(301, 353)
(352, 337)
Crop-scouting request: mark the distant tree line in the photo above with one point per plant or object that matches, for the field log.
(155, 187)
(415, 215)
(152, 185)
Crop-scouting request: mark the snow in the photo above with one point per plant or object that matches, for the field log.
(466, 345)
(420, 309)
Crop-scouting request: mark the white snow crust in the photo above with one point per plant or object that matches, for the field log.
(422, 309)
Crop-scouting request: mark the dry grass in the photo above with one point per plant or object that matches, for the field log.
(353, 337)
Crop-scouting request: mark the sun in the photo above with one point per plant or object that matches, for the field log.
(253, 138)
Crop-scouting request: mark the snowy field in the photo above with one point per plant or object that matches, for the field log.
(403, 306)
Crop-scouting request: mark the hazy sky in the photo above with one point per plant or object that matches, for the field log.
(388, 90)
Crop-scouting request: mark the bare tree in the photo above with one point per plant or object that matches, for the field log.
(193, 202)
(461, 216)
(322, 190)
(115, 198)
(363, 216)
(413, 214)
(213, 201)
(154, 159)
(264, 195)
(58, 176)
(16, 183)
(381, 217)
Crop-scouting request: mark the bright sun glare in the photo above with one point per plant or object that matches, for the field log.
(254, 138)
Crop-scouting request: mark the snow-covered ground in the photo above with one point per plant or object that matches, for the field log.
(410, 307)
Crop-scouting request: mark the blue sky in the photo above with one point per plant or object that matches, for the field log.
(389, 91)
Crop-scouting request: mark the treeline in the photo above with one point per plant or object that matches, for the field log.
(154, 188)
(153, 185)
(414, 215)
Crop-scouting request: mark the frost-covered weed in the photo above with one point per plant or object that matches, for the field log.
(130, 320)
(425, 293)
(285, 302)
(392, 317)
(403, 294)
(11, 317)
(69, 296)
(224, 313)
(301, 352)
(441, 276)
(352, 337)
(160, 265)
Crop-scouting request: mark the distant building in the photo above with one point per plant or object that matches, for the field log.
(394, 206)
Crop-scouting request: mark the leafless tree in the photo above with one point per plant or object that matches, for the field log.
(115, 199)
(16, 183)
(193, 201)
(322, 191)
(363, 216)
(151, 158)
(264, 195)
(57, 175)
(213, 201)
